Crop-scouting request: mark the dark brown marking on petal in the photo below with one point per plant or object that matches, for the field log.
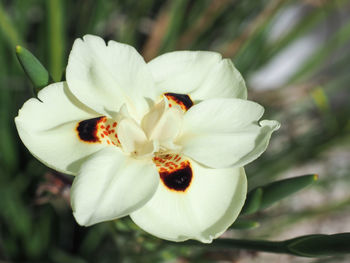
(87, 129)
(178, 179)
(183, 100)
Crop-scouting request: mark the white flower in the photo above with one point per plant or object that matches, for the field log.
(164, 142)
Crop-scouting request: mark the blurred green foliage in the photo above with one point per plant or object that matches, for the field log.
(36, 224)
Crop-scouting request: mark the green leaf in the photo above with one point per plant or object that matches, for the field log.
(278, 190)
(265, 196)
(253, 201)
(320, 245)
(56, 37)
(303, 246)
(35, 71)
(244, 224)
(9, 31)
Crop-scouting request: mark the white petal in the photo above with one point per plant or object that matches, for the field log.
(200, 74)
(224, 132)
(48, 128)
(210, 205)
(132, 138)
(111, 185)
(224, 81)
(222, 115)
(261, 142)
(105, 77)
(163, 123)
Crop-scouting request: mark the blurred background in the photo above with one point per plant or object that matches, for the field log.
(295, 58)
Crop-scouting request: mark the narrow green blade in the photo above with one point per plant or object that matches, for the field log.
(304, 246)
(278, 190)
(320, 245)
(253, 201)
(265, 196)
(35, 71)
(244, 224)
(56, 37)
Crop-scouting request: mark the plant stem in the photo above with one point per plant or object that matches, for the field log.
(257, 245)
(56, 38)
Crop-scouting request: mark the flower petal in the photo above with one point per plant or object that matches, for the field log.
(133, 139)
(200, 74)
(203, 212)
(110, 185)
(105, 77)
(221, 133)
(162, 122)
(47, 127)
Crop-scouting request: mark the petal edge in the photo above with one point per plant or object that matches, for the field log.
(111, 185)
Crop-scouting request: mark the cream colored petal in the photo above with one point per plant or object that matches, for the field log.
(105, 77)
(111, 185)
(203, 212)
(163, 123)
(133, 139)
(200, 74)
(221, 133)
(47, 127)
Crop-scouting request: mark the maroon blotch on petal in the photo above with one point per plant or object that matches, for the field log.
(178, 179)
(182, 99)
(87, 129)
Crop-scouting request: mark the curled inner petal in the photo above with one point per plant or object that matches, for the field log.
(133, 139)
(183, 100)
(175, 172)
(163, 123)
